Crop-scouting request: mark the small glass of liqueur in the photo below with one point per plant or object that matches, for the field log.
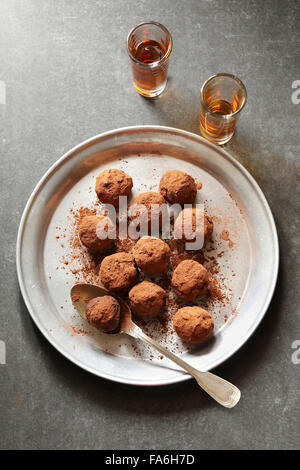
(222, 98)
(149, 46)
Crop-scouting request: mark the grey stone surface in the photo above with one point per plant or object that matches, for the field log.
(67, 78)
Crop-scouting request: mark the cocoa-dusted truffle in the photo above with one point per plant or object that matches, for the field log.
(150, 200)
(193, 324)
(110, 184)
(92, 232)
(147, 299)
(103, 313)
(178, 187)
(189, 279)
(152, 255)
(118, 272)
(192, 223)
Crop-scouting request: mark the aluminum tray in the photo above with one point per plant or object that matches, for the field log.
(229, 193)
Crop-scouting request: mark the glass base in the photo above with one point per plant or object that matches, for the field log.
(150, 93)
(215, 140)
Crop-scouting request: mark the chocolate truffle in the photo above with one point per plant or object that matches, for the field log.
(110, 184)
(152, 255)
(91, 231)
(149, 200)
(118, 272)
(193, 324)
(187, 226)
(178, 187)
(147, 299)
(189, 279)
(103, 313)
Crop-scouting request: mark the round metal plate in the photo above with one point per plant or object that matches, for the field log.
(145, 152)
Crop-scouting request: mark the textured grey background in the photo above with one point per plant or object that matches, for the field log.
(67, 78)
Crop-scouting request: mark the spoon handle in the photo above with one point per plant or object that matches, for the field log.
(222, 391)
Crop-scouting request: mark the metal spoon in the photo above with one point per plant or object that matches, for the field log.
(222, 391)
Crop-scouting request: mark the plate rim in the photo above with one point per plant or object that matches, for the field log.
(97, 138)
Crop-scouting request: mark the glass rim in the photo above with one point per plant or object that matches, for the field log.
(233, 77)
(167, 53)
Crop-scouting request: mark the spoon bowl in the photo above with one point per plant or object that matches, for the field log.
(81, 294)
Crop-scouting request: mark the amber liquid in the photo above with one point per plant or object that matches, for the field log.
(149, 51)
(213, 123)
(221, 107)
(149, 78)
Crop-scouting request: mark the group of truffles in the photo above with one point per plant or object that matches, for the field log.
(119, 272)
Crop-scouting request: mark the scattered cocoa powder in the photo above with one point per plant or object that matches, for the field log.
(225, 236)
(78, 331)
(216, 291)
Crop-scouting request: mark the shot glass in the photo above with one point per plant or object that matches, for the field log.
(149, 46)
(222, 98)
